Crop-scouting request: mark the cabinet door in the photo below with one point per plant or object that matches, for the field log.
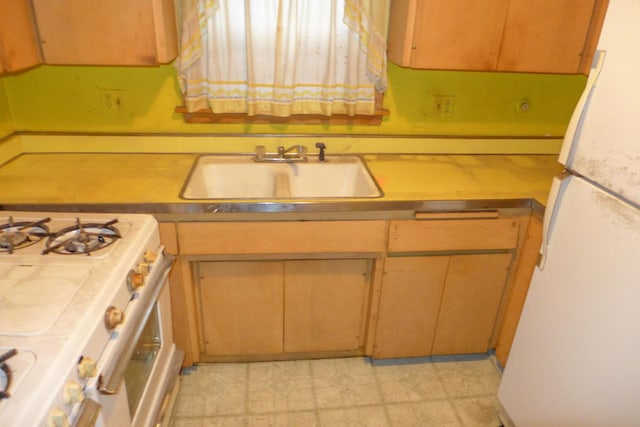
(472, 296)
(18, 45)
(549, 36)
(106, 32)
(519, 288)
(411, 293)
(545, 35)
(452, 34)
(242, 307)
(325, 304)
(458, 34)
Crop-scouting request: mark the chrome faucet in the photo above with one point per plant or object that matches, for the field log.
(295, 153)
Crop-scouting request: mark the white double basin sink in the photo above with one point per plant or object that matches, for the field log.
(240, 177)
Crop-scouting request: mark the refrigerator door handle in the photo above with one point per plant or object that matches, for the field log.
(558, 186)
(570, 137)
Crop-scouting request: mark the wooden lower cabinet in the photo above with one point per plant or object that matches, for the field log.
(275, 307)
(519, 289)
(325, 305)
(439, 304)
(242, 307)
(295, 289)
(472, 295)
(409, 304)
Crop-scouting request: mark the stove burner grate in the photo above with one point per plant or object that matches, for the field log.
(82, 238)
(5, 373)
(18, 235)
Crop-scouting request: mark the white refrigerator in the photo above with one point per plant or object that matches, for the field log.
(575, 359)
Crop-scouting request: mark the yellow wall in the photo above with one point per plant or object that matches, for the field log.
(6, 123)
(68, 99)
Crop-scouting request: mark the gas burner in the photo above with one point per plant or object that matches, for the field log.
(18, 235)
(82, 238)
(5, 373)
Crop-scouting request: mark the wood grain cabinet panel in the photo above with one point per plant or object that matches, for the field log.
(457, 34)
(242, 307)
(546, 36)
(472, 295)
(519, 289)
(107, 32)
(451, 235)
(325, 305)
(409, 305)
(291, 306)
(443, 285)
(439, 304)
(281, 237)
(19, 47)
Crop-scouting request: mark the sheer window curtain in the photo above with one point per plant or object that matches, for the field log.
(283, 57)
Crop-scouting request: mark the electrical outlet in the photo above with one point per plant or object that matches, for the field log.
(112, 100)
(443, 105)
(523, 106)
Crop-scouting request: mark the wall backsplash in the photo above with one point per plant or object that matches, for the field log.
(6, 124)
(77, 99)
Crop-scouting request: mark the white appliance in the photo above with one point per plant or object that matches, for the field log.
(575, 359)
(85, 321)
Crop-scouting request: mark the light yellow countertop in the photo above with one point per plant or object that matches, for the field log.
(146, 182)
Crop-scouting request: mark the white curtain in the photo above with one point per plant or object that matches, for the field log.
(283, 57)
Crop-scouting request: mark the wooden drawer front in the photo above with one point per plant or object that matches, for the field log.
(451, 235)
(199, 238)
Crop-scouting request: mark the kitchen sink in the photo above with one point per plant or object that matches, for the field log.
(240, 177)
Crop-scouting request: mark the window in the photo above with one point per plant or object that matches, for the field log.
(274, 60)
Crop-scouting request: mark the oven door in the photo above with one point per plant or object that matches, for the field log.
(140, 366)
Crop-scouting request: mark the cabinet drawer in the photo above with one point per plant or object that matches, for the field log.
(200, 238)
(453, 235)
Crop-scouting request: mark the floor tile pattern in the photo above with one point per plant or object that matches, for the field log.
(349, 392)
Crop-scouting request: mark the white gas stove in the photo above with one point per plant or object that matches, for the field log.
(79, 295)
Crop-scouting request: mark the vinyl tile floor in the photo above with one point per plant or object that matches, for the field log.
(443, 392)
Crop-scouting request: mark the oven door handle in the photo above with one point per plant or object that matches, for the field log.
(170, 389)
(111, 375)
(88, 413)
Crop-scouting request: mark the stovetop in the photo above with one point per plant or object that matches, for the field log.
(72, 236)
(32, 297)
(53, 294)
(17, 368)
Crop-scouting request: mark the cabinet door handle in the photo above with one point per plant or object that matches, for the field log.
(488, 214)
(568, 146)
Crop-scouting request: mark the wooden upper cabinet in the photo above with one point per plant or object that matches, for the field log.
(106, 32)
(19, 48)
(451, 34)
(546, 36)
